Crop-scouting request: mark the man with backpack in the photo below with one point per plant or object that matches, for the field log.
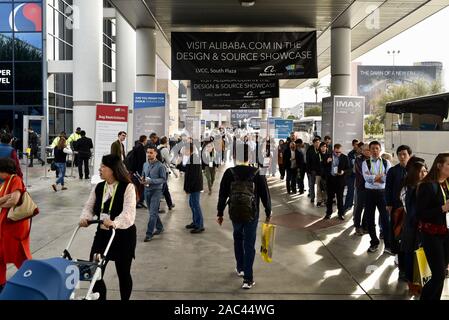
(244, 187)
(134, 162)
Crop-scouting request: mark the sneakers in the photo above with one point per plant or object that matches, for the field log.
(248, 284)
(327, 217)
(54, 187)
(157, 232)
(373, 249)
(239, 274)
(381, 236)
(359, 231)
(197, 230)
(341, 217)
(147, 239)
(171, 207)
(388, 251)
(190, 226)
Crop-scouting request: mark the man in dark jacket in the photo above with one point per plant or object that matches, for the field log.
(33, 142)
(138, 159)
(83, 147)
(336, 167)
(350, 178)
(7, 151)
(244, 233)
(393, 187)
(193, 185)
(293, 162)
(117, 147)
(313, 165)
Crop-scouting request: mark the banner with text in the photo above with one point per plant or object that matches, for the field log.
(110, 120)
(243, 55)
(240, 117)
(283, 128)
(234, 89)
(150, 114)
(234, 104)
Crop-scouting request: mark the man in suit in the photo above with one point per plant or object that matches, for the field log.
(83, 147)
(293, 161)
(336, 167)
(117, 148)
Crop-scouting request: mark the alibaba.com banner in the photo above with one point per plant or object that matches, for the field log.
(244, 55)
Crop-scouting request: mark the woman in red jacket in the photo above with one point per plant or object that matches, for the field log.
(14, 236)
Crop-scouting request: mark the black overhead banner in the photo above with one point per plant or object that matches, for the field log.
(234, 89)
(243, 55)
(233, 104)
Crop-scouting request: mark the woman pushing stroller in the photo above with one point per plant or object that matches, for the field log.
(114, 202)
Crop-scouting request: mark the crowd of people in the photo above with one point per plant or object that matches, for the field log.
(412, 202)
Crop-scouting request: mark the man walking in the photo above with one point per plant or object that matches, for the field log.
(33, 141)
(153, 177)
(313, 166)
(83, 146)
(294, 161)
(336, 167)
(244, 187)
(350, 178)
(375, 172)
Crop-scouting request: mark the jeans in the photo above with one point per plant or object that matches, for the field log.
(194, 203)
(153, 199)
(61, 172)
(376, 198)
(349, 200)
(436, 248)
(360, 196)
(291, 179)
(244, 246)
(312, 177)
(84, 161)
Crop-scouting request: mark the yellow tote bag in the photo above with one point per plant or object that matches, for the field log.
(266, 249)
(421, 269)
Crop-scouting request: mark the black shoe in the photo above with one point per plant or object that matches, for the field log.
(312, 200)
(301, 192)
(191, 226)
(319, 204)
(341, 217)
(327, 217)
(158, 232)
(171, 207)
(197, 230)
(381, 236)
(87, 178)
(43, 163)
(147, 239)
(30, 166)
(161, 211)
(139, 206)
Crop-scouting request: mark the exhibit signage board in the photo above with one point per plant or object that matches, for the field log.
(243, 55)
(110, 120)
(234, 89)
(234, 104)
(150, 113)
(283, 128)
(239, 117)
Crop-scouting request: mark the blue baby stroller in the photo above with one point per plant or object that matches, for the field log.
(56, 278)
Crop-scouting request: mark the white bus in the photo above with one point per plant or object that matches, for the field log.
(307, 128)
(421, 123)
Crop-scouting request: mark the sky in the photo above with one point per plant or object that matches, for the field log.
(423, 42)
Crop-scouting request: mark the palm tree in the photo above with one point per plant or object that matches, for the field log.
(315, 85)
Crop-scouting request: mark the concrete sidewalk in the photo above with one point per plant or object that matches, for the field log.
(313, 259)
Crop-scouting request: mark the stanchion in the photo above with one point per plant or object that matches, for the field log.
(27, 155)
(73, 164)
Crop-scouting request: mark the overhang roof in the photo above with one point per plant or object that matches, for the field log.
(372, 21)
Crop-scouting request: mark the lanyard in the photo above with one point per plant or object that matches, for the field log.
(321, 158)
(444, 192)
(112, 198)
(380, 168)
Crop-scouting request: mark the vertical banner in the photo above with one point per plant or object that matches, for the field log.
(327, 117)
(283, 128)
(193, 127)
(110, 120)
(150, 114)
(348, 120)
(272, 126)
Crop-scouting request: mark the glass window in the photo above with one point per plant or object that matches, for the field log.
(51, 99)
(5, 14)
(28, 76)
(28, 98)
(59, 83)
(6, 76)
(28, 17)
(68, 120)
(69, 84)
(59, 120)
(6, 45)
(51, 122)
(60, 101)
(6, 99)
(28, 47)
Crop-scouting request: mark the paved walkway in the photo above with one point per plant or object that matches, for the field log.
(313, 259)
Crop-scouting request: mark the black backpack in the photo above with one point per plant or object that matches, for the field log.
(129, 161)
(242, 199)
(159, 155)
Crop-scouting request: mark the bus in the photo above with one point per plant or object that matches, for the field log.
(421, 123)
(307, 128)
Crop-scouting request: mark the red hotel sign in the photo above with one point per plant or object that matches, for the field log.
(113, 113)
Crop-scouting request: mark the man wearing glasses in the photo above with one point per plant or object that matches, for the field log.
(336, 168)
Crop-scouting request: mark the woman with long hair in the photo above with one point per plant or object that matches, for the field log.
(432, 207)
(409, 237)
(60, 152)
(114, 202)
(14, 236)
